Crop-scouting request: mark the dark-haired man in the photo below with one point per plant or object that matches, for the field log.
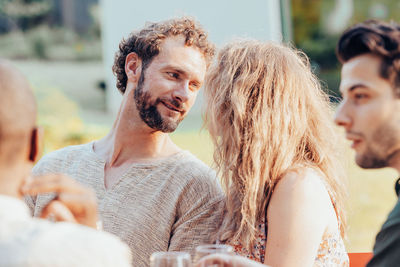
(27, 241)
(370, 112)
(152, 194)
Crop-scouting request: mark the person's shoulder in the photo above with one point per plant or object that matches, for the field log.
(196, 178)
(393, 218)
(304, 182)
(99, 239)
(56, 160)
(302, 189)
(88, 244)
(66, 152)
(194, 167)
(387, 243)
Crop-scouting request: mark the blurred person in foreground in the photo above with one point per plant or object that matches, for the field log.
(152, 194)
(25, 241)
(370, 112)
(276, 152)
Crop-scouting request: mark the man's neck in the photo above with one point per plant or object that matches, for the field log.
(132, 141)
(10, 182)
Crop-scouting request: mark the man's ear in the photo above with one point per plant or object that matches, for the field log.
(133, 67)
(36, 144)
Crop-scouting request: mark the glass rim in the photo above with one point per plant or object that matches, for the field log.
(170, 254)
(214, 247)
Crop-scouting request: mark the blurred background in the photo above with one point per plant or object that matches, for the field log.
(66, 49)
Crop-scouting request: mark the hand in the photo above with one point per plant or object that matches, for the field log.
(227, 261)
(74, 202)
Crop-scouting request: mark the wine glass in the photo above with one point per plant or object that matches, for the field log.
(205, 250)
(170, 259)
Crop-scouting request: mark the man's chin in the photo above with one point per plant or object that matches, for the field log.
(159, 121)
(370, 162)
(168, 125)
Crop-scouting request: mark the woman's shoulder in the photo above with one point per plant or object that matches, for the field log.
(299, 215)
(304, 182)
(302, 189)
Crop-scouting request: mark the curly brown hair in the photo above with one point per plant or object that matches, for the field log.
(146, 43)
(375, 37)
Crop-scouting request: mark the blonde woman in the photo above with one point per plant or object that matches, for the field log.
(275, 151)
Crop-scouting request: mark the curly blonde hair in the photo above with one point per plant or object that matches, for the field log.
(267, 115)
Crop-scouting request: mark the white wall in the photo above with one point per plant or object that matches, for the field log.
(224, 20)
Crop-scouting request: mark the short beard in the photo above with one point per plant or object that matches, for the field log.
(148, 111)
(371, 161)
(376, 155)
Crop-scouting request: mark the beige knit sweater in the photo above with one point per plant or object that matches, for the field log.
(169, 204)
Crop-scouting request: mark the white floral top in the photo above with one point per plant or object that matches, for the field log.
(331, 252)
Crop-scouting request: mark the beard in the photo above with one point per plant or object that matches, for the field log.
(148, 110)
(380, 150)
(370, 160)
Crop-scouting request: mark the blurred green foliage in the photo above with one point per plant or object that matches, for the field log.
(27, 13)
(95, 14)
(59, 116)
(48, 43)
(380, 9)
(33, 36)
(39, 44)
(306, 18)
(310, 36)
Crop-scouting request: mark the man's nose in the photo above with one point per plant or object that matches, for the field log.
(182, 92)
(341, 116)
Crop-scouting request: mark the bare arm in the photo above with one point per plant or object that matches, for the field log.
(298, 215)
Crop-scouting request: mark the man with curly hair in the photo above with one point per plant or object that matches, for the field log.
(152, 194)
(370, 112)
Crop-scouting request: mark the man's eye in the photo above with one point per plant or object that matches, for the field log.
(195, 85)
(173, 75)
(360, 96)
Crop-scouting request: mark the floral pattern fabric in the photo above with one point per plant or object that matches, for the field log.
(331, 252)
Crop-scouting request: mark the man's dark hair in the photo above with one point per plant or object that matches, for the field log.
(378, 38)
(146, 44)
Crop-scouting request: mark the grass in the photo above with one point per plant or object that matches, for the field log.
(197, 142)
(371, 198)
